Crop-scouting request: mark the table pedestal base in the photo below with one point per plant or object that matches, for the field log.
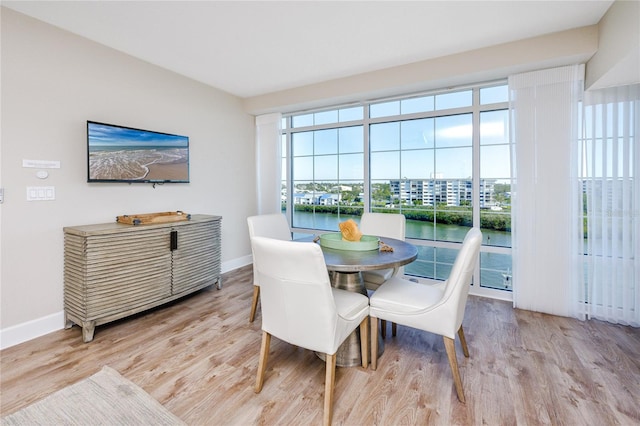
(349, 354)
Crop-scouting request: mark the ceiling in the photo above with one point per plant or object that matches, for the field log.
(251, 48)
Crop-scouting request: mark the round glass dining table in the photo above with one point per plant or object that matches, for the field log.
(345, 267)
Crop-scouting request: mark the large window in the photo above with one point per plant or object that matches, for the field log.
(441, 159)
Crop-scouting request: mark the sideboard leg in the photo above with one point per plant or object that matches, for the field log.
(219, 284)
(67, 322)
(88, 328)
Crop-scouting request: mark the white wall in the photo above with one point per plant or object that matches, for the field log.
(611, 50)
(52, 82)
(491, 63)
(617, 61)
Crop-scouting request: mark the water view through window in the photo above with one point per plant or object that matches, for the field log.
(442, 160)
(432, 262)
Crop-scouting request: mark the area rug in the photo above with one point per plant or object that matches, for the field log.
(106, 398)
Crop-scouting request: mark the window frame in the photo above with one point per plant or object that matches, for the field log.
(475, 109)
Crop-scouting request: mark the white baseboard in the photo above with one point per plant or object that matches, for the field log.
(230, 265)
(17, 334)
(29, 330)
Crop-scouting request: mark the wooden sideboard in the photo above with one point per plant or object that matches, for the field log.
(114, 270)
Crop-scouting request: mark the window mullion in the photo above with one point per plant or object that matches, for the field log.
(475, 184)
(289, 173)
(476, 157)
(366, 185)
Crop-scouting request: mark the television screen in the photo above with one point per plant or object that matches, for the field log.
(125, 154)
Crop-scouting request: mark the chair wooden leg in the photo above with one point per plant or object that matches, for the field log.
(394, 329)
(364, 342)
(463, 342)
(254, 303)
(383, 328)
(329, 382)
(374, 343)
(449, 345)
(262, 363)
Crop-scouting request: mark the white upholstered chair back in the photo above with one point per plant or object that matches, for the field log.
(269, 226)
(458, 284)
(390, 225)
(297, 297)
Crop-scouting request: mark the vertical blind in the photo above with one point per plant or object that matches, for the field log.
(544, 108)
(609, 163)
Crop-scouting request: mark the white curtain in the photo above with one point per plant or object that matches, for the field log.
(269, 163)
(609, 166)
(544, 107)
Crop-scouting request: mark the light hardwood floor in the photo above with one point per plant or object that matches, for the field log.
(198, 357)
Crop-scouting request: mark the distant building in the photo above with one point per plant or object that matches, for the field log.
(451, 192)
(318, 199)
(303, 198)
(427, 192)
(328, 199)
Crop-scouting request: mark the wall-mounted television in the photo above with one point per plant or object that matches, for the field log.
(124, 154)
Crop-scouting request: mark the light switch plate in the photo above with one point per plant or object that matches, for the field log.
(41, 193)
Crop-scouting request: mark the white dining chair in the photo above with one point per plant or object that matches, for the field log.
(436, 308)
(270, 226)
(300, 307)
(389, 225)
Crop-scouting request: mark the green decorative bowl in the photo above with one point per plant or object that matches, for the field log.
(335, 241)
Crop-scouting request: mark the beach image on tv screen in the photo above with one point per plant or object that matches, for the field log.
(120, 153)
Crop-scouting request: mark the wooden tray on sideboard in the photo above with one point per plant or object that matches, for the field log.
(149, 218)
